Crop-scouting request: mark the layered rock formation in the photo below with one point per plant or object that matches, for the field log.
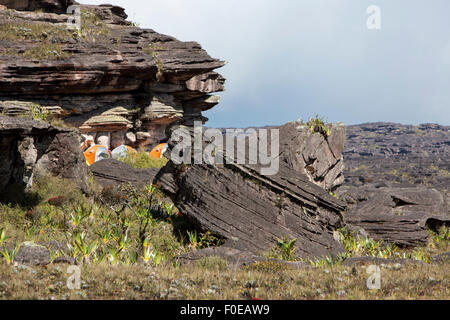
(396, 215)
(115, 82)
(30, 147)
(252, 210)
(313, 154)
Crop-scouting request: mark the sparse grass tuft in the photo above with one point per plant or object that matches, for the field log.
(46, 51)
(269, 266)
(93, 28)
(317, 125)
(213, 263)
(34, 31)
(38, 112)
(151, 50)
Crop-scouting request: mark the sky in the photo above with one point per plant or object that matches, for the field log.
(291, 59)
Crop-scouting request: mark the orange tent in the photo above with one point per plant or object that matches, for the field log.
(159, 150)
(96, 153)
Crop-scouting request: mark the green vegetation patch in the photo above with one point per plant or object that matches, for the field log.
(143, 160)
(316, 124)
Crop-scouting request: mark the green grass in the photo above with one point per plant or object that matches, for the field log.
(209, 280)
(93, 28)
(143, 160)
(125, 240)
(124, 225)
(284, 250)
(48, 39)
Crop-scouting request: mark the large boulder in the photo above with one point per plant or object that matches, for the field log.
(111, 172)
(252, 211)
(252, 204)
(35, 147)
(314, 154)
(395, 215)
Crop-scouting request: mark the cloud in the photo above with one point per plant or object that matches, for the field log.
(290, 59)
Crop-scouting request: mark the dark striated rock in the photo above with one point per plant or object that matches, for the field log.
(313, 154)
(397, 180)
(65, 260)
(252, 211)
(112, 172)
(317, 156)
(396, 215)
(441, 258)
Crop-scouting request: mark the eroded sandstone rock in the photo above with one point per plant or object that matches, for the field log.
(252, 211)
(110, 79)
(32, 147)
(396, 215)
(314, 154)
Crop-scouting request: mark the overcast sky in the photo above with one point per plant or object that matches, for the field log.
(290, 59)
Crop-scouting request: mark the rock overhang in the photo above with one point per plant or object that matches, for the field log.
(110, 63)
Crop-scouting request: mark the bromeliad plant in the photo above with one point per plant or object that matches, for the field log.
(193, 239)
(287, 248)
(357, 246)
(8, 254)
(3, 236)
(317, 125)
(362, 246)
(150, 254)
(80, 247)
(79, 214)
(142, 205)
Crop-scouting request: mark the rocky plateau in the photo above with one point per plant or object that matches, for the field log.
(113, 83)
